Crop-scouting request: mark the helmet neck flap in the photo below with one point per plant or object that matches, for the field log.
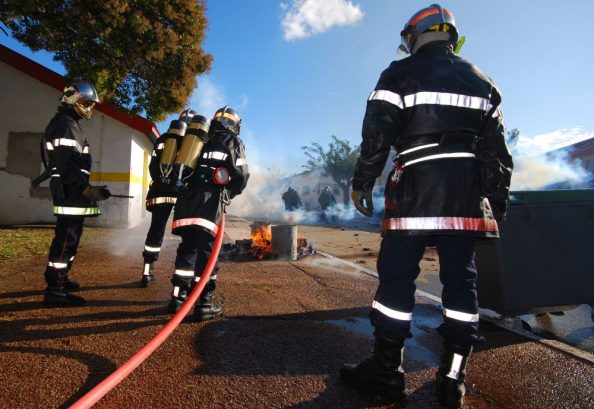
(432, 19)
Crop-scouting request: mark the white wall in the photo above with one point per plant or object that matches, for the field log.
(26, 107)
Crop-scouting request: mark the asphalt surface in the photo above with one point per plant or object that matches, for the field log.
(288, 328)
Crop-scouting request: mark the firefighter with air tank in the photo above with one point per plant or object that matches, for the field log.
(172, 162)
(216, 174)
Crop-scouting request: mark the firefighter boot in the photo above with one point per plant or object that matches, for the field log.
(70, 285)
(382, 373)
(57, 296)
(148, 275)
(178, 298)
(206, 309)
(451, 374)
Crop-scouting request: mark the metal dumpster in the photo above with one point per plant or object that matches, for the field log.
(544, 260)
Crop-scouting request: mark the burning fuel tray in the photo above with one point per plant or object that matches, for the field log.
(268, 242)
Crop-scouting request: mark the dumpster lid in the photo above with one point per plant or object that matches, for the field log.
(551, 196)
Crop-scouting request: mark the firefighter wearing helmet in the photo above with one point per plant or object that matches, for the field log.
(161, 196)
(69, 168)
(449, 187)
(221, 174)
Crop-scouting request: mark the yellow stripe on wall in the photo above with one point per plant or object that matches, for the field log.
(125, 177)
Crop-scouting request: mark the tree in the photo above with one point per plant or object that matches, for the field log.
(143, 56)
(512, 138)
(338, 162)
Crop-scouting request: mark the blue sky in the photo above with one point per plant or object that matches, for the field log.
(300, 71)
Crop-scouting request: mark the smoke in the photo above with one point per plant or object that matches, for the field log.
(542, 163)
(262, 198)
(553, 170)
(129, 242)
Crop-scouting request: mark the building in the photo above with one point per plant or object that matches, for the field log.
(583, 152)
(120, 147)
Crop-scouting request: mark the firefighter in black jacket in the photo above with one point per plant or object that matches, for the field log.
(198, 213)
(326, 200)
(160, 199)
(449, 187)
(73, 197)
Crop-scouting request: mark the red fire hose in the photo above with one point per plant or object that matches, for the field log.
(91, 397)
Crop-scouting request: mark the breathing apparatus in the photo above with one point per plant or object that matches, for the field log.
(172, 139)
(187, 158)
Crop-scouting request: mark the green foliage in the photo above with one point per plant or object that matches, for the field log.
(338, 161)
(142, 55)
(24, 242)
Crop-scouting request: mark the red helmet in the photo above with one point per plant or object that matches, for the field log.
(432, 18)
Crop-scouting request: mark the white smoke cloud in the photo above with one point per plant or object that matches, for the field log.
(305, 18)
(262, 198)
(539, 144)
(544, 172)
(539, 164)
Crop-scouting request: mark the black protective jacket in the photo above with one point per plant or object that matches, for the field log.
(70, 164)
(201, 208)
(442, 116)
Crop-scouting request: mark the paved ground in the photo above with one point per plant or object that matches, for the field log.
(288, 328)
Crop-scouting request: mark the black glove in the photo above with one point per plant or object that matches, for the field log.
(96, 193)
(363, 202)
(499, 211)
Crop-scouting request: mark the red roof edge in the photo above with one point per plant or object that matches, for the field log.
(55, 80)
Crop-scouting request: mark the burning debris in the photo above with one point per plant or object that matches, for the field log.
(268, 242)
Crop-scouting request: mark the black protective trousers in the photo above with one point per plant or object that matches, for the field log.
(398, 268)
(154, 238)
(67, 234)
(192, 255)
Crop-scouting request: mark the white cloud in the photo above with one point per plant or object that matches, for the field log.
(208, 97)
(304, 18)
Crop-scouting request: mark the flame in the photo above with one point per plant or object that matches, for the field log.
(261, 241)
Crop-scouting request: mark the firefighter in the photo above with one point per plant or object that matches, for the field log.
(160, 199)
(448, 188)
(291, 199)
(73, 197)
(326, 200)
(198, 213)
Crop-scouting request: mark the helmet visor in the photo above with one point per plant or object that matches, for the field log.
(405, 40)
(85, 103)
(227, 122)
(84, 108)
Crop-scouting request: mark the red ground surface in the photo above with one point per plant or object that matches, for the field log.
(284, 336)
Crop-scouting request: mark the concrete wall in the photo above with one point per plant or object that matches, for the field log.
(118, 152)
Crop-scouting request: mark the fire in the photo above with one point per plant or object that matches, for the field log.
(261, 241)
